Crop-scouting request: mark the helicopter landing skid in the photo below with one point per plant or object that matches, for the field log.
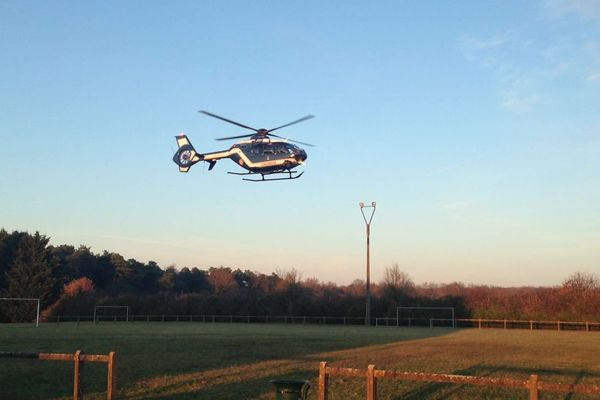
(269, 179)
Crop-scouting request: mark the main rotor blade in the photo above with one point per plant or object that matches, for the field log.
(234, 137)
(292, 123)
(294, 141)
(227, 120)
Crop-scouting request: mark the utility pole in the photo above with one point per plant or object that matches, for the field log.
(368, 224)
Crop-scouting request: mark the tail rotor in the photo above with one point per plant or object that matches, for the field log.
(186, 155)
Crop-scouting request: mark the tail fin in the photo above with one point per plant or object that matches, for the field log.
(186, 155)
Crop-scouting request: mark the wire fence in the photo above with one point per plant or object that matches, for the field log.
(478, 323)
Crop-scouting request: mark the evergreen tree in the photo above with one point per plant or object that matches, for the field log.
(64, 270)
(9, 242)
(82, 263)
(30, 275)
(124, 275)
(151, 274)
(105, 273)
(167, 280)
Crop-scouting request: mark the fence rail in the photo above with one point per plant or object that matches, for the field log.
(478, 323)
(533, 385)
(78, 359)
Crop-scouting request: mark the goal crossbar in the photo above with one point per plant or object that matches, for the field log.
(37, 314)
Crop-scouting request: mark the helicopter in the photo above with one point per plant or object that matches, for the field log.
(259, 154)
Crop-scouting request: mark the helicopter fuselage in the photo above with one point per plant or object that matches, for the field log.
(261, 155)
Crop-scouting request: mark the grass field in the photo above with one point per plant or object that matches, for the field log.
(184, 361)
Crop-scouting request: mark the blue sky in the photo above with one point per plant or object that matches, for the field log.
(474, 125)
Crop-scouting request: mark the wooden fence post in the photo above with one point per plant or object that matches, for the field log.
(479, 323)
(111, 392)
(371, 383)
(77, 395)
(323, 380)
(533, 387)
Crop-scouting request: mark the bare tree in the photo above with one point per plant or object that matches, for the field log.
(291, 276)
(582, 282)
(395, 278)
(580, 294)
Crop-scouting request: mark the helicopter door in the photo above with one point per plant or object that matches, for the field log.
(256, 152)
(268, 151)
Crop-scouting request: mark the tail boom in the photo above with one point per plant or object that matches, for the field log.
(186, 155)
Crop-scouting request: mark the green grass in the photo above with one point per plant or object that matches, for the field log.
(184, 361)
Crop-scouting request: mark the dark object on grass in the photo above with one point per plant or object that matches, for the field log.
(288, 389)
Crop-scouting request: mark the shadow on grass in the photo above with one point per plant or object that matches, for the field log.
(582, 374)
(445, 390)
(261, 388)
(578, 373)
(248, 389)
(432, 389)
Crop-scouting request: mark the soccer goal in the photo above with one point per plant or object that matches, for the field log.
(37, 314)
(424, 315)
(101, 312)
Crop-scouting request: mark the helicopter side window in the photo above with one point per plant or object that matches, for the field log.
(257, 149)
(290, 148)
(268, 150)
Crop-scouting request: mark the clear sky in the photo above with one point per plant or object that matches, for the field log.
(474, 125)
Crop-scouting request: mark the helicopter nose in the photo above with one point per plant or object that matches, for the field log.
(301, 155)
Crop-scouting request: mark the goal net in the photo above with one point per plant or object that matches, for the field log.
(26, 307)
(111, 313)
(425, 316)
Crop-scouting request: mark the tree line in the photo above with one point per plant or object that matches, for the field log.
(71, 280)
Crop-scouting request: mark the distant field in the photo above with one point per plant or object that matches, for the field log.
(182, 361)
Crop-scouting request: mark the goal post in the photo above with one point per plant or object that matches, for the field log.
(96, 308)
(427, 309)
(37, 314)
